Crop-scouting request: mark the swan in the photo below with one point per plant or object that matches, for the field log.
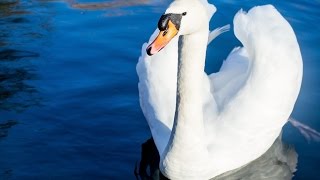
(205, 125)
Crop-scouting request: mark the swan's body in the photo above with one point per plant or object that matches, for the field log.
(205, 125)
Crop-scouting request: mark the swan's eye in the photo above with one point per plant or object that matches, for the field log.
(184, 13)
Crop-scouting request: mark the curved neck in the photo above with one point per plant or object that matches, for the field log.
(189, 102)
(187, 141)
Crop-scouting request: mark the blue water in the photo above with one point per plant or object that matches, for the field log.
(69, 106)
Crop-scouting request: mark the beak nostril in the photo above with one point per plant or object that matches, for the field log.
(165, 32)
(149, 51)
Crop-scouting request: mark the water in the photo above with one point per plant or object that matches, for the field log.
(69, 104)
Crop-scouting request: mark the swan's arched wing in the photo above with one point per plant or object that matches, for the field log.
(257, 86)
(157, 89)
(268, 64)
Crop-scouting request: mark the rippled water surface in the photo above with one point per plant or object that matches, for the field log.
(69, 104)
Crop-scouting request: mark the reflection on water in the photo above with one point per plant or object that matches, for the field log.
(4, 130)
(278, 163)
(12, 54)
(5, 126)
(9, 8)
(6, 174)
(106, 4)
(15, 93)
(17, 36)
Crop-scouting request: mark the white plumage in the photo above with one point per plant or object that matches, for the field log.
(225, 120)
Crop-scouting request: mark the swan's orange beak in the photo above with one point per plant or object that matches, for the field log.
(162, 39)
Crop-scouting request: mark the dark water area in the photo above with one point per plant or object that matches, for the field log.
(69, 105)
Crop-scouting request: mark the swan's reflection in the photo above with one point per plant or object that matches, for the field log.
(278, 163)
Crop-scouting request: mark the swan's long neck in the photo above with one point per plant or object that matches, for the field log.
(189, 116)
(187, 142)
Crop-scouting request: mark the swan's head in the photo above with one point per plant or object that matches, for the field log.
(181, 18)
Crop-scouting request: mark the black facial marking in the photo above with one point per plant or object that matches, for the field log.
(149, 51)
(163, 22)
(174, 18)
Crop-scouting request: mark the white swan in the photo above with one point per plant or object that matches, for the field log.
(205, 125)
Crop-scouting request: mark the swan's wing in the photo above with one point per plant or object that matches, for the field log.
(270, 57)
(157, 89)
(257, 86)
(232, 75)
